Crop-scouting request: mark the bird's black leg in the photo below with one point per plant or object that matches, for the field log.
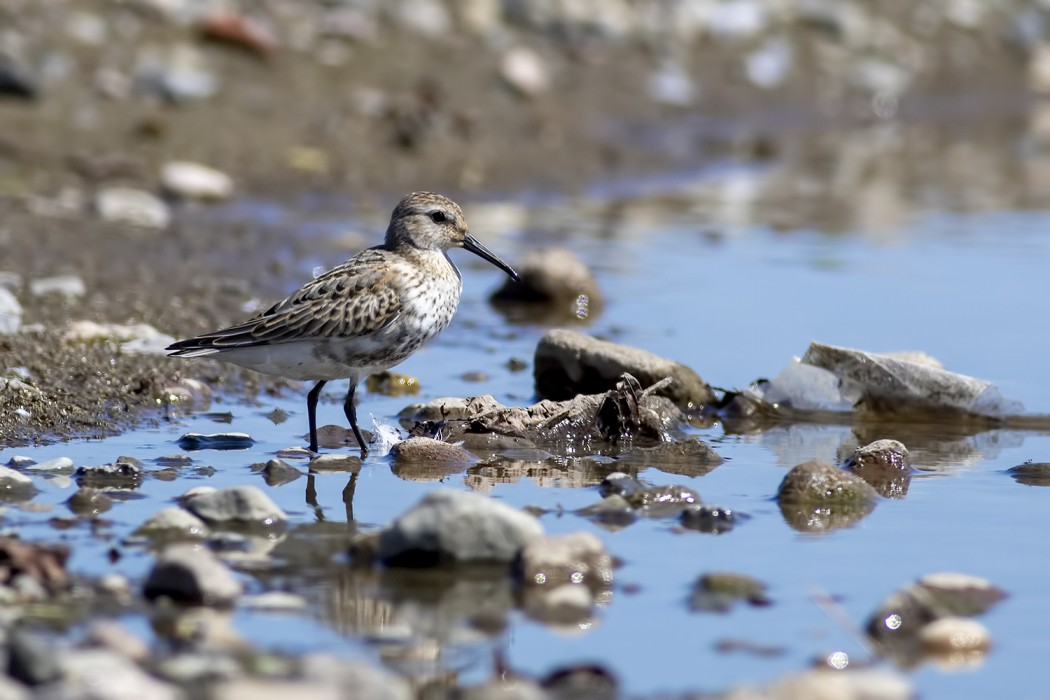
(311, 412)
(351, 415)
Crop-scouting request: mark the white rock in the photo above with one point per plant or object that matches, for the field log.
(426, 17)
(70, 286)
(10, 480)
(525, 71)
(57, 465)
(460, 527)
(130, 206)
(188, 180)
(11, 281)
(10, 313)
(950, 635)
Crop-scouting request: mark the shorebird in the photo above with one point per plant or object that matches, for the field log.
(364, 316)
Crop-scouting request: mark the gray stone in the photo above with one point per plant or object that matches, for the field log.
(238, 504)
(332, 462)
(10, 313)
(125, 205)
(457, 527)
(69, 286)
(191, 574)
(423, 449)
(89, 503)
(123, 473)
(180, 75)
(14, 482)
(950, 636)
(568, 363)
(174, 520)
(23, 462)
(116, 637)
(525, 71)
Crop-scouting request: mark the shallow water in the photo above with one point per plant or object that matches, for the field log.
(735, 300)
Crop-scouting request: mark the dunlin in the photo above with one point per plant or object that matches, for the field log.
(363, 316)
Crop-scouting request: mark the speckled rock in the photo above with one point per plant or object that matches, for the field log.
(422, 449)
(568, 363)
(457, 527)
(818, 483)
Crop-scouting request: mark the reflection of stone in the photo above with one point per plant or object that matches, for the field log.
(1031, 473)
(687, 457)
(898, 624)
(718, 592)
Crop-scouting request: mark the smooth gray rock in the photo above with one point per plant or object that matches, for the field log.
(237, 504)
(12, 481)
(568, 363)
(457, 527)
(23, 462)
(187, 180)
(578, 558)
(277, 472)
(59, 465)
(125, 205)
(216, 441)
(191, 574)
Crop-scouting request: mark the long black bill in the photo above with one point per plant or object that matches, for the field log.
(470, 243)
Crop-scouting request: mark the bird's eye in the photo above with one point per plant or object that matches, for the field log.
(438, 217)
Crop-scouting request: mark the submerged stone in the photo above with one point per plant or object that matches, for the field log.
(718, 592)
(245, 505)
(191, 574)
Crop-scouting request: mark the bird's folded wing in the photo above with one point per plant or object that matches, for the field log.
(347, 301)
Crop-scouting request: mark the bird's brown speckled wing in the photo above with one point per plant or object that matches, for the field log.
(354, 299)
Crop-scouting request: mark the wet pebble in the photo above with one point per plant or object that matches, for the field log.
(392, 384)
(89, 503)
(173, 520)
(10, 312)
(277, 472)
(216, 441)
(884, 465)
(578, 558)
(23, 462)
(819, 483)
(555, 277)
(68, 286)
(568, 363)
(138, 338)
(58, 465)
(187, 180)
(620, 484)
(422, 449)
(663, 500)
(193, 575)
(124, 205)
(457, 527)
(718, 592)
(710, 519)
(1031, 473)
(123, 473)
(613, 511)
(237, 504)
(174, 460)
(335, 463)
